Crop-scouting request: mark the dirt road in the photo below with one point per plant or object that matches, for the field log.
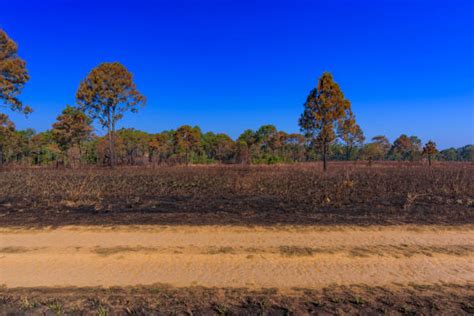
(282, 257)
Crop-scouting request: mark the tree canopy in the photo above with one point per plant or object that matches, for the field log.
(13, 75)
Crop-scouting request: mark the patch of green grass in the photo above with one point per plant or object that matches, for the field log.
(102, 310)
(26, 304)
(336, 300)
(56, 307)
(220, 309)
(357, 300)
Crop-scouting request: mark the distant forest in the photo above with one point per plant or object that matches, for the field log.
(266, 145)
(328, 129)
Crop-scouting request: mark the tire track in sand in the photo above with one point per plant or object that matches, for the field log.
(229, 256)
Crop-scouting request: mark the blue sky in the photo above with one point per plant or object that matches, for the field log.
(406, 65)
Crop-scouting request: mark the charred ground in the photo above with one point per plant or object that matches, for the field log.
(162, 300)
(390, 193)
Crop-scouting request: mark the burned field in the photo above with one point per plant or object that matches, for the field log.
(414, 299)
(389, 193)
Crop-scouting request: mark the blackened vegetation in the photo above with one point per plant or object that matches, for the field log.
(288, 194)
(163, 300)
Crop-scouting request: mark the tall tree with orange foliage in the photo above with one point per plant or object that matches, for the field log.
(106, 94)
(324, 109)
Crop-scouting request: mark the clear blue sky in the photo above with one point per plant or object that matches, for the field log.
(406, 65)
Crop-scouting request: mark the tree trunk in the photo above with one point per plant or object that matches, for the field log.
(65, 157)
(111, 150)
(429, 160)
(1, 155)
(111, 130)
(325, 167)
(348, 152)
(150, 157)
(109, 136)
(113, 144)
(187, 159)
(80, 152)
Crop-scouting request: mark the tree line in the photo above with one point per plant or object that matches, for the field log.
(328, 125)
(189, 145)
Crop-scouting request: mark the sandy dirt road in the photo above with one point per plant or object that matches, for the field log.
(228, 256)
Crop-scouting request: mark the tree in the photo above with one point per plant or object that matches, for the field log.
(7, 129)
(370, 152)
(350, 133)
(218, 147)
(430, 150)
(224, 146)
(324, 109)
(248, 136)
(71, 128)
(42, 147)
(384, 145)
(264, 136)
(294, 146)
(186, 140)
(401, 148)
(466, 153)
(13, 75)
(89, 150)
(159, 146)
(106, 94)
(416, 148)
(242, 154)
(376, 150)
(449, 154)
(252, 148)
(405, 148)
(266, 141)
(133, 143)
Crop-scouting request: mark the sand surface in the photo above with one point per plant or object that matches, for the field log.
(229, 256)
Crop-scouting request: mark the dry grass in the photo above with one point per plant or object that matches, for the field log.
(379, 250)
(115, 250)
(220, 250)
(15, 249)
(296, 251)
